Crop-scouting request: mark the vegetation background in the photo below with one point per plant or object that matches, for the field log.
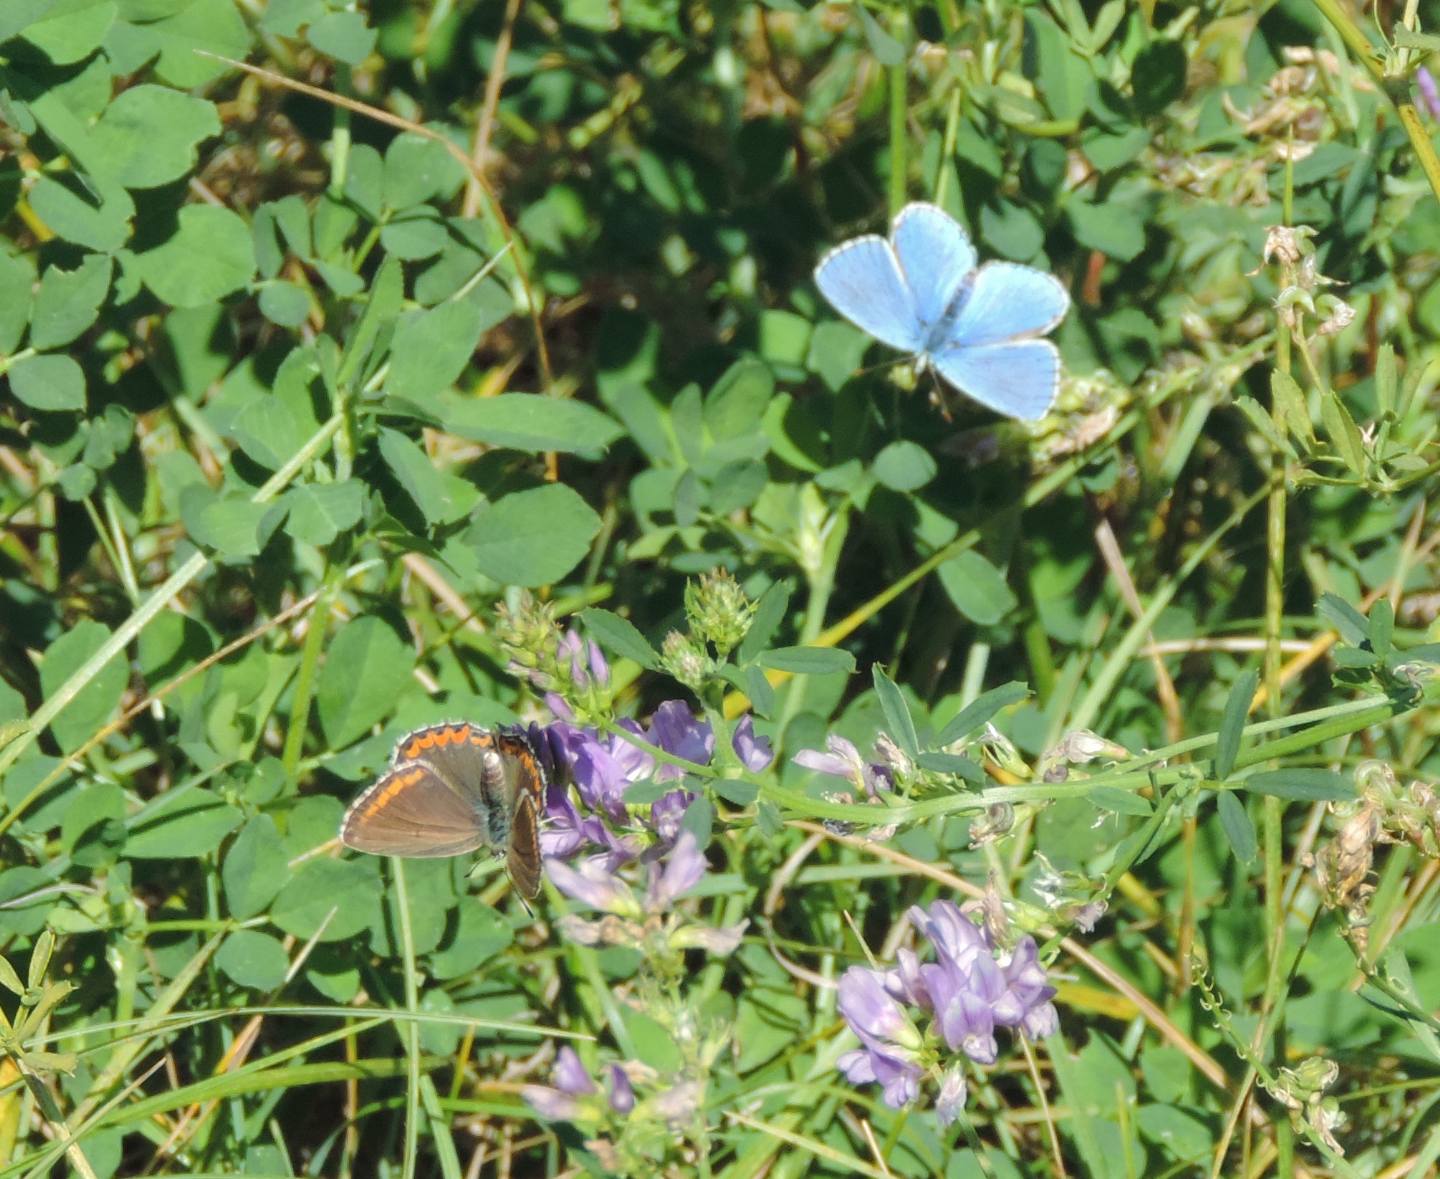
(293, 398)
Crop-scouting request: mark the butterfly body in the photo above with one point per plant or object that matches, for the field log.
(454, 788)
(922, 292)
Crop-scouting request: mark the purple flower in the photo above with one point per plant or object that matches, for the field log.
(951, 1098)
(569, 1074)
(755, 753)
(683, 869)
(587, 662)
(667, 812)
(888, 1038)
(969, 990)
(675, 729)
(605, 766)
(1428, 93)
(571, 1082)
(622, 1094)
(595, 885)
(841, 759)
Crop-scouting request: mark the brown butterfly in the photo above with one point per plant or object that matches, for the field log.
(450, 789)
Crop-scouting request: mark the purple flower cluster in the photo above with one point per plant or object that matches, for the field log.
(967, 991)
(603, 767)
(573, 1094)
(646, 921)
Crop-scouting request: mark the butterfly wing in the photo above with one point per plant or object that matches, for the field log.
(1019, 378)
(412, 811)
(1008, 301)
(522, 858)
(862, 280)
(935, 256)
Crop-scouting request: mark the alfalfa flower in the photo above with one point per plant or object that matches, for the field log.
(970, 988)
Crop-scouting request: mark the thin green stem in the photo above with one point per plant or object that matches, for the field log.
(411, 1030)
(897, 76)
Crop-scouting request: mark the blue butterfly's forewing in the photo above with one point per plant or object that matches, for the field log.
(1008, 301)
(862, 280)
(1019, 378)
(935, 255)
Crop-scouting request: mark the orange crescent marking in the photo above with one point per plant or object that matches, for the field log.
(388, 787)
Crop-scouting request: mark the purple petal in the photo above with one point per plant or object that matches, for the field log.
(622, 1094)
(683, 869)
(668, 811)
(592, 885)
(755, 753)
(598, 667)
(550, 1103)
(868, 1007)
(951, 1099)
(569, 1073)
(823, 763)
(674, 728)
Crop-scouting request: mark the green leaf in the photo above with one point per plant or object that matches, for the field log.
(480, 934)
(150, 135)
(1113, 230)
(1158, 76)
(1351, 625)
(319, 512)
(253, 959)
(210, 255)
(343, 36)
(48, 382)
(769, 613)
(183, 824)
(419, 169)
(72, 29)
(255, 868)
(898, 721)
(531, 423)
(977, 588)
(17, 278)
(97, 700)
(980, 711)
(808, 660)
(284, 303)
(757, 687)
(620, 636)
(887, 50)
(1290, 400)
(1235, 822)
(736, 792)
(533, 538)
(431, 349)
(904, 466)
(441, 497)
(1382, 628)
(1121, 802)
(345, 892)
(736, 404)
(769, 820)
(1301, 785)
(98, 220)
(1232, 724)
(232, 525)
(1387, 385)
(1342, 433)
(952, 763)
(212, 26)
(364, 665)
(68, 301)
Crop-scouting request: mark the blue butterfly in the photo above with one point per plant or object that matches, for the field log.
(978, 327)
